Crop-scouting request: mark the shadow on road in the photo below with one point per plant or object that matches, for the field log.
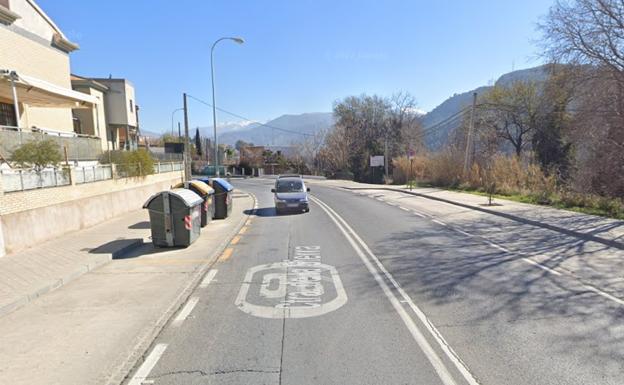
(270, 212)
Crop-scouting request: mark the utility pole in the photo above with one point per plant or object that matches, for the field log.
(187, 157)
(469, 138)
(179, 131)
(386, 154)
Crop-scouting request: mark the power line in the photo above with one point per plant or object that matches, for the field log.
(250, 120)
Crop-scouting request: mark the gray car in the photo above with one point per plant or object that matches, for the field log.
(290, 194)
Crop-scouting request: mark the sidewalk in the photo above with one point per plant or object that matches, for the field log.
(607, 231)
(30, 273)
(95, 328)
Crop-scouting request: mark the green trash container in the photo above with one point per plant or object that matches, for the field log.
(175, 217)
(223, 197)
(206, 192)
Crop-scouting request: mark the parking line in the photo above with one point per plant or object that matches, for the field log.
(186, 310)
(208, 278)
(147, 366)
(227, 253)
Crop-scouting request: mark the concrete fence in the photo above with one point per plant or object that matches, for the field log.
(30, 217)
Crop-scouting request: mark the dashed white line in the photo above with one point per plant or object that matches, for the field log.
(148, 365)
(359, 247)
(186, 310)
(439, 222)
(208, 278)
(418, 214)
(537, 264)
(404, 208)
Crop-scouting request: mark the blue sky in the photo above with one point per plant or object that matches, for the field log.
(299, 56)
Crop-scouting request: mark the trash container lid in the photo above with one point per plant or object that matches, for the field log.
(188, 197)
(198, 185)
(223, 183)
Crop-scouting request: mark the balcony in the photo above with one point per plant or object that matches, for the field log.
(79, 147)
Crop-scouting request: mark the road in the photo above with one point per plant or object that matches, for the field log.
(361, 292)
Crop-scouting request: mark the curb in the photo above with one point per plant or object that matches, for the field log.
(577, 234)
(64, 280)
(146, 338)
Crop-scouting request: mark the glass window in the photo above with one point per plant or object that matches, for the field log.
(7, 115)
(131, 106)
(285, 186)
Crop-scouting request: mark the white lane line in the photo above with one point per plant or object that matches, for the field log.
(420, 339)
(186, 310)
(602, 293)
(463, 232)
(147, 366)
(439, 222)
(537, 264)
(208, 278)
(494, 245)
(418, 214)
(404, 208)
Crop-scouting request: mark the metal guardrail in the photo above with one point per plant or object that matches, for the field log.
(79, 147)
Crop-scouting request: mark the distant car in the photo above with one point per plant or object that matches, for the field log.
(290, 194)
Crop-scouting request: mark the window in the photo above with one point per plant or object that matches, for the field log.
(131, 106)
(7, 115)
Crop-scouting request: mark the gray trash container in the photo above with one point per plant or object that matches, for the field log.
(206, 192)
(175, 217)
(223, 197)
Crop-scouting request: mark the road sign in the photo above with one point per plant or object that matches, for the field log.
(376, 160)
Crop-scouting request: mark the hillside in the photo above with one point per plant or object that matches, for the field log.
(451, 106)
(270, 133)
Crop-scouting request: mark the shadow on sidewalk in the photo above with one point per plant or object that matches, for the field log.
(140, 225)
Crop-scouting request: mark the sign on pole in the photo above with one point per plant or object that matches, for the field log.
(376, 160)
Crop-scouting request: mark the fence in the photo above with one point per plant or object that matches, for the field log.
(78, 147)
(93, 173)
(20, 180)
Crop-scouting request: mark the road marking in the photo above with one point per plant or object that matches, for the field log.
(147, 366)
(496, 246)
(404, 208)
(463, 232)
(208, 278)
(439, 222)
(298, 288)
(537, 264)
(235, 240)
(243, 230)
(418, 214)
(604, 294)
(186, 310)
(358, 244)
(227, 253)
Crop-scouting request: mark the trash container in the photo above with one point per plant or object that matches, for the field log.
(223, 197)
(174, 217)
(206, 192)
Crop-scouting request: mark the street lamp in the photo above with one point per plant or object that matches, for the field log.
(173, 113)
(237, 40)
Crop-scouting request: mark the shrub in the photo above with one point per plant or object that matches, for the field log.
(37, 154)
(130, 163)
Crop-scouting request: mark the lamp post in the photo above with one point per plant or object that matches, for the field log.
(172, 114)
(237, 40)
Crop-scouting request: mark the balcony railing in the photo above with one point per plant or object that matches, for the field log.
(79, 147)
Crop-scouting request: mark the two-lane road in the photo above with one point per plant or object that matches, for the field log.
(360, 292)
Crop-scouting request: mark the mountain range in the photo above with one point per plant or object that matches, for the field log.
(289, 129)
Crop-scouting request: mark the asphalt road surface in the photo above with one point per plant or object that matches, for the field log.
(360, 292)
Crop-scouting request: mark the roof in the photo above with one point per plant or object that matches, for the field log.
(40, 93)
(82, 81)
